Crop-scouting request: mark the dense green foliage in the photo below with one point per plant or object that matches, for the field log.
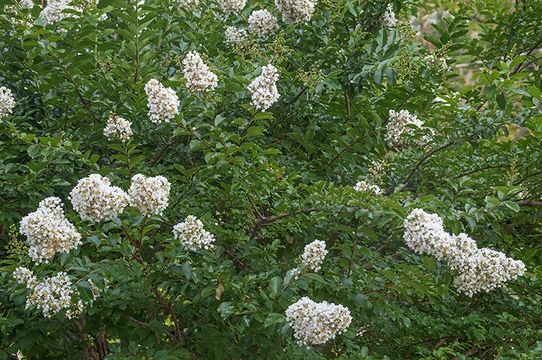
(268, 183)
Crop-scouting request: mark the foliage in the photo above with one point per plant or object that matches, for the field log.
(268, 183)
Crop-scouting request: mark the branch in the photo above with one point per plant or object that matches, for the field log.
(425, 157)
(533, 203)
(343, 150)
(347, 103)
(476, 170)
(266, 220)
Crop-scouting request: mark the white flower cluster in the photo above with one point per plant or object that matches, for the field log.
(149, 194)
(162, 101)
(313, 255)
(118, 128)
(364, 186)
(94, 199)
(262, 23)
(400, 124)
(478, 270)
(437, 63)
(296, 11)
(264, 88)
(24, 276)
(234, 35)
(50, 295)
(189, 4)
(317, 323)
(388, 19)
(55, 11)
(424, 234)
(232, 6)
(197, 74)
(26, 4)
(7, 102)
(48, 231)
(192, 235)
(481, 270)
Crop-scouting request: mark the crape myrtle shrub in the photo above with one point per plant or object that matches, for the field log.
(194, 149)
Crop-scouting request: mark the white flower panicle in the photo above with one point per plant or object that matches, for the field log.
(7, 102)
(234, 35)
(399, 126)
(24, 276)
(55, 11)
(26, 4)
(52, 295)
(388, 19)
(232, 6)
(365, 186)
(192, 235)
(313, 255)
(118, 128)
(48, 231)
(163, 102)
(149, 194)
(478, 270)
(317, 323)
(436, 62)
(196, 73)
(264, 88)
(94, 199)
(189, 4)
(262, 23)
(424, 234)
(481, 270)
(296, 11)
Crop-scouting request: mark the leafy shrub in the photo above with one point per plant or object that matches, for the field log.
(191, 150)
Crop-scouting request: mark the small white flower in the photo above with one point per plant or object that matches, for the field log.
(149, 194)
(232, 6)
(24, 276)
(313, 255)
(234, 35)
(189, 4)
(7, 102)
(197, 74)
(388, 19)
(399, 128)
(118, 128)
(55, 11)
(262, 23)
(317, 323)
(478, 270)
(296, 11)
(48, 231)
(364, 186)
(424, 234)
(264, 88)
(93, 198)
(52, 295)
(192, 235)
(163, 102)
(26, 4)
